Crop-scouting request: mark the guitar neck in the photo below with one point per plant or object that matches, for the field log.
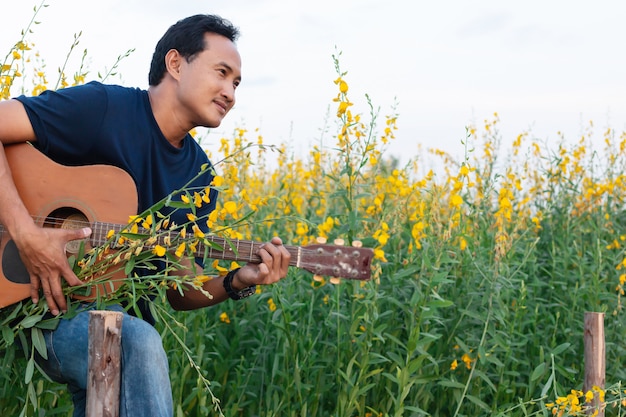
(214, 248)
(330, 260)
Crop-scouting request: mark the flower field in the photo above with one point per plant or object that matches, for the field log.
(482, 274)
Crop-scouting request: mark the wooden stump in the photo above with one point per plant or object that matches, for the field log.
(103, 379)
(595, 365)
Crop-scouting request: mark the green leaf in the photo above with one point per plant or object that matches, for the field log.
(130, 265)
(451, 384)
(7, 335)
(32, 395)
(30, 321)
(538, 371)
(30, 369)
(561, 348)
(39, 342)
(546, 388)
(478, 402)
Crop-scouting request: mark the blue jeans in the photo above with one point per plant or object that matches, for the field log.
(145, 388)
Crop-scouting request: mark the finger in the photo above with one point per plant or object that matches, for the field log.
(267, 253)
(70, 277)
(280, 256)
(264, 271)
(47, 293)
(35, 286)
(285, 258)
(57, 294)
(75, 234)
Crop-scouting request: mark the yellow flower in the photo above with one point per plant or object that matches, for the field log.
(147, 222)
(159, 250)
(197, 232)
(343, 107)
(326, 227)
(271, 304)
(381, 234)
(224, 318)
(454, 365)
(302, 229)
(217, 181)
(230, 207)
(185, 199)
(197, 200)
(456, 200)
(467, 360)
(201, 279)
(219, 268)
(380, 255)
(180, 250)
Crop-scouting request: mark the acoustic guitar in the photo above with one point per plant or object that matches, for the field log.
(102, 197)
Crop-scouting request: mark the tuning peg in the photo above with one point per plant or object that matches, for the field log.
(357, 244)
(321, 240)
(335, 280)
(318, 278)
(339, 242)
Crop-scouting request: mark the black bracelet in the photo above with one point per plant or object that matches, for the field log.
(232, 293)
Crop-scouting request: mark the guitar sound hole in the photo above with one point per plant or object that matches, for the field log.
(67, 218)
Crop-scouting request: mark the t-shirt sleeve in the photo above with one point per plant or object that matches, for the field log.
(66, 122)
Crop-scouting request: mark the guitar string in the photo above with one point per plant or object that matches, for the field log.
(59, 221)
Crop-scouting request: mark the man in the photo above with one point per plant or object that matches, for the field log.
(194, 73)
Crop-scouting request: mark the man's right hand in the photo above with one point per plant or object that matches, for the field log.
(43, 253)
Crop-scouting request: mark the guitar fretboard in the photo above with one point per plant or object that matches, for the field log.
(214, 248)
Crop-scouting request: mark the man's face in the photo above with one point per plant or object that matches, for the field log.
(207, 83)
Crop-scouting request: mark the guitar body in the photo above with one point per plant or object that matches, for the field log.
(60, 196)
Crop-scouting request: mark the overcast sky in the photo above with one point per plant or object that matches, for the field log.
(544, 66)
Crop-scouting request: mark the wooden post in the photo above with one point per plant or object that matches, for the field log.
(595, 364)
(103, 378)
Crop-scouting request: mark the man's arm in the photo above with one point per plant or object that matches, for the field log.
(274, 266)
(42, 249)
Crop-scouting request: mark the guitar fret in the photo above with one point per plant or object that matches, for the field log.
(298, 257)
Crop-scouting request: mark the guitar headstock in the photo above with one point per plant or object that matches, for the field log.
(351, 262)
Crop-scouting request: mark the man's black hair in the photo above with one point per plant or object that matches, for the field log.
(187, 37)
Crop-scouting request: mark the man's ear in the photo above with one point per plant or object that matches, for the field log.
(173, 61)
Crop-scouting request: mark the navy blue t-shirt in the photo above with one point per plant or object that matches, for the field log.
(113, 125)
